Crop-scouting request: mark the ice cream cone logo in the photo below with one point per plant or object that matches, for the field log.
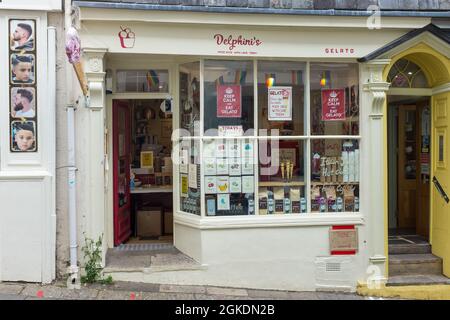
(127, 37)
(73, 52)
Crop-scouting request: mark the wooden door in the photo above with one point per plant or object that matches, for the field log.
(407, 166)
(423, 167)
(440, 188)
(121, 162)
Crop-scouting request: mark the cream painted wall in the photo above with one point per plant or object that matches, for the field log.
(283, 258)
(27, 180)
(176, 39)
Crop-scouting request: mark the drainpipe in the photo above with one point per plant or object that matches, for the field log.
(73, 281)
(73, 269)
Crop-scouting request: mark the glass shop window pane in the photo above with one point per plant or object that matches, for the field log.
(228, 97)
(190, 98)
(281, 91)
(229, 170)
(142, 81)
(282, 177)
(335, 175)
(407, 74)
(334, 99)
(190, 187)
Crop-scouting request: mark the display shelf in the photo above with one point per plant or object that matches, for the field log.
(318, 183)
(153, 189)
(281, 184)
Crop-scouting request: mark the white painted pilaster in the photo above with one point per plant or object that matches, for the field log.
(374, 102)
(92, 146)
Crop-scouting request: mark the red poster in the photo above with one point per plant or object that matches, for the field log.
(333, 104)
(229, 101)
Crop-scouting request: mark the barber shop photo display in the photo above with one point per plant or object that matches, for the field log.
(23, 85)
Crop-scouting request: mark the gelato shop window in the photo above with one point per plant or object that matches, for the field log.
(277, 138)
(142, 81)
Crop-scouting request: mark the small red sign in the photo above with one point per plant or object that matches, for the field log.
(229, 101)
(333, 104)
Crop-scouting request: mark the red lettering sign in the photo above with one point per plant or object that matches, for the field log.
(333, 104)
(229, 101)
(233, 42)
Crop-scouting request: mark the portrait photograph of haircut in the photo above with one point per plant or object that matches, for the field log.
(22, 35)
(23, 136)
(22, 68)
(23, 102)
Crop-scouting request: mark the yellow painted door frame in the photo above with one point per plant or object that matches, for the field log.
(440, 170)
(436, 67)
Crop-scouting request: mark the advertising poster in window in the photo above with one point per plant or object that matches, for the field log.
(193, 176)
(333, 104)
(223, 202)
(210, 185)
(146, 158)
(231, 131)
(280, 103)
(23, 106)
(229, 101)
(184, 185)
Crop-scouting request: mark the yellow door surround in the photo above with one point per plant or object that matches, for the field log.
(436, 68)
(434, 64)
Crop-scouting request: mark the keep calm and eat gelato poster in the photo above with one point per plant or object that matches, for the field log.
(229, 103)
(333, 104)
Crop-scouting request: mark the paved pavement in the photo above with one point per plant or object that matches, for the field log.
(143, 291)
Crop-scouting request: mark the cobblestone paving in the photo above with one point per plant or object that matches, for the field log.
(143, 291)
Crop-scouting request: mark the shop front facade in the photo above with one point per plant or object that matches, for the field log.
(256, 143)
(279, 157)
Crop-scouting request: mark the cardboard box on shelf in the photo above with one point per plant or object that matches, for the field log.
(168, 163)
(149, 222)
(168, 222)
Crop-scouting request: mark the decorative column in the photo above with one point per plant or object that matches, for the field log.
(91, 146)
(374, 133)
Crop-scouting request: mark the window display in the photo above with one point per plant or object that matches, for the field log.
(335, 176)
(190, 181)
(281, 89)
(229, 176)
(228, 98)
(281, 177)
(190, 98)
(334, 99)
(273, 162)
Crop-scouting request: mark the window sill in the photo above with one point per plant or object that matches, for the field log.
(268, 221)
